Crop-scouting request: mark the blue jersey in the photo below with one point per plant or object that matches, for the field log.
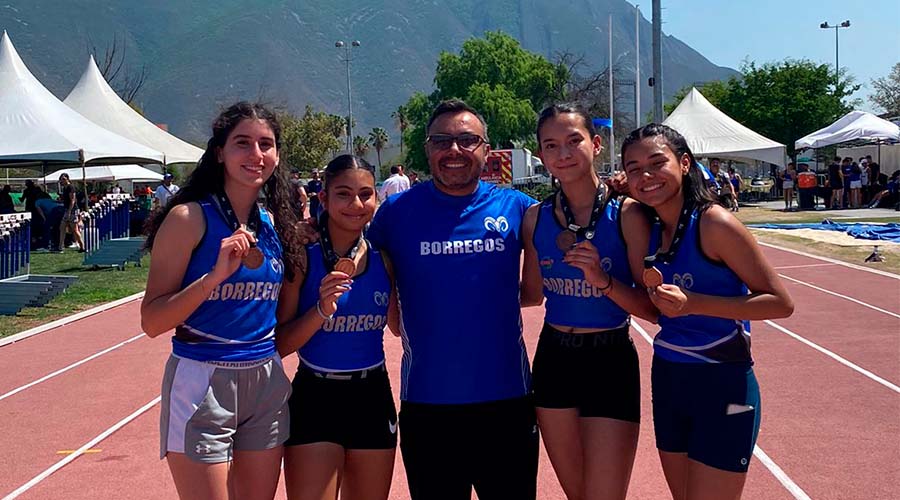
(696, 338)
(571, 300)
(353, 338)
(237, 321)
(456, 265)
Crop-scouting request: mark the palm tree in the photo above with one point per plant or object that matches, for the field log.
(360, 146)
(402, 117)
(378, 137)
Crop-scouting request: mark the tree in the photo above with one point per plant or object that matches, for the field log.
(378, 137)
(402, 118)
(112, 66)
(360, 146)
(307, 142)
(887, 92)
(495, 75)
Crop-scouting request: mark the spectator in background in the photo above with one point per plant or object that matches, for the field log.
(413, 178)
(6, 202)
(836, 181)
(30, 195)
(299, 198)
(865, 191)
(788, 178)
(165, 191)
(855, 185)
(312, 192)
(736, 184)
(723, 181)
(116, 189)
(396, 183)
(48, 213)
(403, 177)
(70, 218)
(889, 196)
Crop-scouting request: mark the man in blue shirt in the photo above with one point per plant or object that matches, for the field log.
(466, 419)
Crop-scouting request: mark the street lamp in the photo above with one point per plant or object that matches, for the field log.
(347, 47)
(837, 67)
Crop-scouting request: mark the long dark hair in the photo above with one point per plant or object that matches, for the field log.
(209, 178)
(694, 186)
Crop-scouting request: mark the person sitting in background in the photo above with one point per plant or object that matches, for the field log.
(889, 196)
(6, 202)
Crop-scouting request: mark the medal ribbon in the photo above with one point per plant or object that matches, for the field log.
(253, 220)
(331, 257)
(599, 204)
(681, 227)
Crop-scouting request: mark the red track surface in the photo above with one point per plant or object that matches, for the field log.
(832, 430)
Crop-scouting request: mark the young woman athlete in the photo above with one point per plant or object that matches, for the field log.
(343, 420)
(707, 276)
(586, 376)
(215, 271)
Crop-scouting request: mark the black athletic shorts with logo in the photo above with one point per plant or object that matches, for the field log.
(597, 373)
(491, 446)
(355, 410)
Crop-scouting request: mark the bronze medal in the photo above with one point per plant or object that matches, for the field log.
(346, 266)
(253, 259)
(652, 277)
(565, 240)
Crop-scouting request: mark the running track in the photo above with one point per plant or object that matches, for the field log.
(829, 377)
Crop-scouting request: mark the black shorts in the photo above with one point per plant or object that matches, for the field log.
(449, 449)
(597, 373)
(358, 414)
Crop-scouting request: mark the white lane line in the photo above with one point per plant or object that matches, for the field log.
(851, 299)
(803, 266)
(68, 319)
(73, 365)
(834, 356)
(80, 451)
(779, 474)
(833, 261)
(758, 452)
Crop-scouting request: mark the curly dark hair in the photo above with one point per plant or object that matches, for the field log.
(209, 178)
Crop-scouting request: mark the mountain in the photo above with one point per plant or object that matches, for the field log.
(204, 54)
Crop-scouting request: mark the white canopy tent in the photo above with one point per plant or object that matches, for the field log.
(854, 126)
(36, 128)
(110, 173)
(710, 132)
(97, 101)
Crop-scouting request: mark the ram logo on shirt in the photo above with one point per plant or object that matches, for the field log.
(498, 225)
(685, 280)
(381, 298)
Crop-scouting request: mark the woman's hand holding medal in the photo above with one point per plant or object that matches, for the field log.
(671, 300)
(584, 256)
(232, 252)
(333, 285)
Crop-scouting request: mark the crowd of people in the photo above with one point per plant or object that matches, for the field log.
(244, 284)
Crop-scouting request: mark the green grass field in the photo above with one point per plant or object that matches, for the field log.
(93, 287)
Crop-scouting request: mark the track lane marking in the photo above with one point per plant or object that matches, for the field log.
(71, 366)
(801, 266)
(833, 261)
(845, 297)
(80, 451)
(792, 487)
(835, 357)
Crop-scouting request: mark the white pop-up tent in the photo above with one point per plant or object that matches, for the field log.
(855, 126)
(710, 132)
(36, 128)
(109, 173)
(96, 100)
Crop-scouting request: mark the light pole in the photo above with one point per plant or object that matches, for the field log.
(837, 67)
(347, 47)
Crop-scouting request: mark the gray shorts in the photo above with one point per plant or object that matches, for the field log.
(210, 409)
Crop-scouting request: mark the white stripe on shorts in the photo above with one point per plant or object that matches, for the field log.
(189, 387)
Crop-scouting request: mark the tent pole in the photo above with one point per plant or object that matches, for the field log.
(44, 174)
(87, 203)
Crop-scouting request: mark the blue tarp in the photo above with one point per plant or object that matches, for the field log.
(882, 232)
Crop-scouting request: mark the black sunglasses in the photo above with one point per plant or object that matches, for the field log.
(469, 142)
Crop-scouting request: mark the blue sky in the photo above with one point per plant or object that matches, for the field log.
(729, 31)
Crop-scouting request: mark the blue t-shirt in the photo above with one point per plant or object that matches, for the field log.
(353, 338)
(571, 300)
(456, 264)
(696, 338)
(237, 321)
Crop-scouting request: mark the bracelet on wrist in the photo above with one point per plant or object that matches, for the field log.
(603, 289)
(322, 314)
